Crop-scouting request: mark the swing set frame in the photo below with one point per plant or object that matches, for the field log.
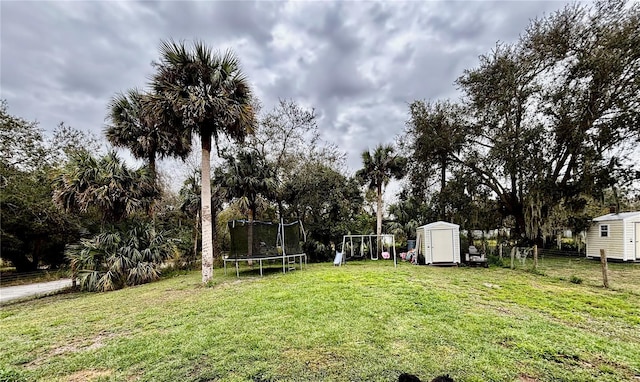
(372, 239)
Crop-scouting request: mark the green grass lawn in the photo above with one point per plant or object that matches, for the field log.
(362, 322)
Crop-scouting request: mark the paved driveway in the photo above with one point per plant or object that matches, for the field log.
(32, 290)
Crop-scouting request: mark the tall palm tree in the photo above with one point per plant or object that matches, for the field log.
(147, 138)
(205, 93)
(247, 177)
(378, 169)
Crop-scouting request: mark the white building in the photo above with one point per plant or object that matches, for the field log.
(618, 234)
(439, 243)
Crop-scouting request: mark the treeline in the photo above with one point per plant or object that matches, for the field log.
(546, 133)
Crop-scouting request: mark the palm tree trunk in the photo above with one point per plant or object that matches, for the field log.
(379, 219)
(152, 167)
(250, 234)
(205, 198)
(152, 170)
(214, 233)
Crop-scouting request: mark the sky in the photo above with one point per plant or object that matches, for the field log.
(358, 63)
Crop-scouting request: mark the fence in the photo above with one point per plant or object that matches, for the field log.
(571, 266)
(10, 278)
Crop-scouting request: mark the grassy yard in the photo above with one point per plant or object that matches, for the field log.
(362, 322)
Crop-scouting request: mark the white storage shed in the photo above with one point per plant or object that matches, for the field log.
(618, 234)
(439, 243)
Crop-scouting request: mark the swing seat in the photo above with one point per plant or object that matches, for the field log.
(386, 255)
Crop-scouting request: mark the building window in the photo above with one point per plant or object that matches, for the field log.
(604, 230)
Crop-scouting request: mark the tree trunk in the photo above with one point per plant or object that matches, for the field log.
(443, 183)
(205, 198)
(379, 219)
(152, 168)
(250, 234)
(196, 228)
(154, 179)
(214, 234)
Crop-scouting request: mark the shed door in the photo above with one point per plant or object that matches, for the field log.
(442, 245)
(637, 239)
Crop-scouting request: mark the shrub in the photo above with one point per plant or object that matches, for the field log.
(495, 261)
(117, 258)
(317, 252)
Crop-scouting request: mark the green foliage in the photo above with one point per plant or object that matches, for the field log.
(197, 91)
(246, 177)
(575, 279)
(547, 123)
(496, 261)
(116, 258)
(21, 141)
(436, 132)
(378, 169)
(317, 252)
(33, 232)
(12, 375)
(328, 203)
(133, 126)
(104, 185)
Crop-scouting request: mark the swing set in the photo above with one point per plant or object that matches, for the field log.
(360, 247)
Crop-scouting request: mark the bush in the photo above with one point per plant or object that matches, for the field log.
(317, 252)
(117, 258)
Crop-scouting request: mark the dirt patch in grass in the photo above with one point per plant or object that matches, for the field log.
(73, 347)
(94, 343)
(87, 375)
(526, 378)
(317, 361)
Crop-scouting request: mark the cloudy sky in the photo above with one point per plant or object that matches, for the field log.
(357, 63)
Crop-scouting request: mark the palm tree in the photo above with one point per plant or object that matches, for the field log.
(116, 258)
(105, 185)
(247, 177)
(132, 127)
(378, 169)
(198, 91)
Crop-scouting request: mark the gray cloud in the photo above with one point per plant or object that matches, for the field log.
(358, 63)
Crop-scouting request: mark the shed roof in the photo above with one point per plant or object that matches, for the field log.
(618, 216)
(440, 224)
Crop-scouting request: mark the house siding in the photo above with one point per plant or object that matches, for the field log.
(613, 244)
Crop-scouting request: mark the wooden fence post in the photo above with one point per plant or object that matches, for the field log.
(603, 261)
(535, 256)
(513, 255)
(500, 250)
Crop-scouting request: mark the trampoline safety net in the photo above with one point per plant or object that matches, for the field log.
(266, 239)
